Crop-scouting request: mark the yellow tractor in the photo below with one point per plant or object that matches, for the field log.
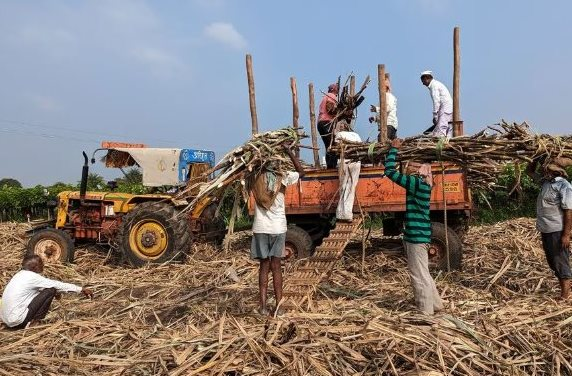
(145, 228)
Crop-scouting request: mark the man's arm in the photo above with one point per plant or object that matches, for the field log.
(295, 161)
(567, 229)
(43, 282)
(436, 102)
(390, 164)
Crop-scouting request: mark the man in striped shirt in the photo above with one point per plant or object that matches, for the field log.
(417, 182)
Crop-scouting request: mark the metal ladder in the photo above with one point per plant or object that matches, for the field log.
(301, 282)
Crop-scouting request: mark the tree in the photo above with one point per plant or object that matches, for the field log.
(9, 183)
(133, 176)
(95, 182)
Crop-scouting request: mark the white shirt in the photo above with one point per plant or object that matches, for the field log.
(391, 109)
(442, 101)
(273, 220)
(21, 290)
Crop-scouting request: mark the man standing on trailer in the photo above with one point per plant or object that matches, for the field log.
(326, 125)
(392, 122)
(269, 227)
(417, 182)
(442, 105)
(554, 218)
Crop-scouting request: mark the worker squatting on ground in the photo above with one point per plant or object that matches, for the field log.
(391, 102)
(269, 227)
(554, 218)
(28, 295)
(442, 105)
(349, 176)
(417, 182)
(326, 125)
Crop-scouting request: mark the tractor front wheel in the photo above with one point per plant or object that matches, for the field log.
(52, 245)
(153, 233)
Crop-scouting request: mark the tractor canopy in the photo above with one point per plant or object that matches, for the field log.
(161, 166)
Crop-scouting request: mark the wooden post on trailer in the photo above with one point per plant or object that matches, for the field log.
(295, 111)
(382, 136)
(313, 130)
(457, 122)
(251, 94)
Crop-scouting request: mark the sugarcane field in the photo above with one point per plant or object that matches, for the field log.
(209, 188)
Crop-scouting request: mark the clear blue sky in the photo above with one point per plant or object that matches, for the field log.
(172, 73)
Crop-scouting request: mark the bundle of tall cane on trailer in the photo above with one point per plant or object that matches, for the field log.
(263, 152)
(482, 155)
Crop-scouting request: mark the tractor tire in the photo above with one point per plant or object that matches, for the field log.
(438, 250)
(299, 243)
(52, 245)
(153, 233)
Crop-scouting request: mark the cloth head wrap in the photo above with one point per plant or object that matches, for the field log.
(426, 174)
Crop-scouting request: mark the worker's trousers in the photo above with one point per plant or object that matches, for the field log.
(39, 306)
(443, 128)
(348, 182)
(427, 297)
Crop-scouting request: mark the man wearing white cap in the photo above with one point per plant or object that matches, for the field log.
(442, 105)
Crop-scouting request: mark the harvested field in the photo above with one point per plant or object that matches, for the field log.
(198, 318)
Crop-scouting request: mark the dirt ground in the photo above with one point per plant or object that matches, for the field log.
(199, 317)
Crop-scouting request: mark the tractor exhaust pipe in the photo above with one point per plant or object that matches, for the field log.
(84, 174)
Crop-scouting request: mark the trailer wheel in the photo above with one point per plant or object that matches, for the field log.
(438, 250)
(52, 245)
(299, 243)
(153, 233)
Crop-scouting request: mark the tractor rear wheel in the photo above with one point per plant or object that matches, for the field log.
(52, 245)
(438, 248)
(299, 243)
(153, 233)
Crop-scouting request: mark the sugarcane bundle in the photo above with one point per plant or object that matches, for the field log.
(264, 151)
(482, 155)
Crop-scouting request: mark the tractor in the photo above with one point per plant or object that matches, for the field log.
(144, 228)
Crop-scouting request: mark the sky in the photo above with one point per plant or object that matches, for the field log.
(172, 73)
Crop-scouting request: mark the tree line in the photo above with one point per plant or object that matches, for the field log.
(507, 200)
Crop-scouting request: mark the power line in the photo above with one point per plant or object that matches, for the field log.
(67, 129)
(47, 135)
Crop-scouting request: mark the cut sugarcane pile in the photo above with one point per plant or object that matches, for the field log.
(198, 317)
(482, 155)
(262, 151)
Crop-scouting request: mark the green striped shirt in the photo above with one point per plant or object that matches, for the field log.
(418, 194)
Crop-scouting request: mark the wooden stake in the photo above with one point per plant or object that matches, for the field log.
(251, 94)
(313, 130)
(295, 111)
(382, 136)
(457, 122)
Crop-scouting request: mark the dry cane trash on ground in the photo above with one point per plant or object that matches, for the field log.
(198, 318)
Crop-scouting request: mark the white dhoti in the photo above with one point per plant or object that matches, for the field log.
(443, 128)
(348, 183)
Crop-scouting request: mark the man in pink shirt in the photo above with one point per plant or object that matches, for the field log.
(326, 122)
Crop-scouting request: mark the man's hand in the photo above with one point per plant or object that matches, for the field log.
(87, 292)
(372, 108)
(371, 119)
(435, 120)
(565, 242)
(396, 143)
